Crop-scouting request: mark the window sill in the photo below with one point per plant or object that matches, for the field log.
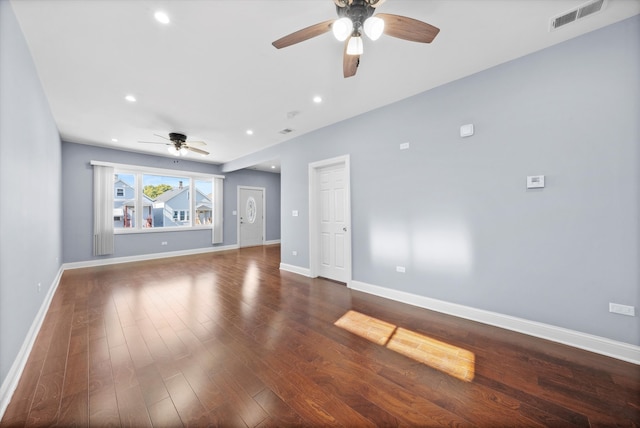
(132, 231)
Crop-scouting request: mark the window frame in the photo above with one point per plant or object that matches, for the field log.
(138, 172)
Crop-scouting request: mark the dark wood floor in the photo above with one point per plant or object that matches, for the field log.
(227, 339)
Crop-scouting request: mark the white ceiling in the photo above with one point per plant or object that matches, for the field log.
(212, 73)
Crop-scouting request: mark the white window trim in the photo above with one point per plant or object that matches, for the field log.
(140, 170)
(159, 171)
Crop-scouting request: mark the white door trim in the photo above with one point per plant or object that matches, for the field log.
(239, 210)
(314, 254)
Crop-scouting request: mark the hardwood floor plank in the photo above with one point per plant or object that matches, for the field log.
(151, 384)
(163, 414)
(240, 402)
(185, 400)
(227, 339)
(76, 378)
(138, 349)
(209, 392)
(74, 410)
(46, 402)
(279, 412)
(103, 407)
(122, 368)
(132, 408)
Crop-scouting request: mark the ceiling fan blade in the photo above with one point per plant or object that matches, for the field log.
(196, 143)
(193, 149)
(304, 34)
(162, 136)
(155, 142)
(376, 3)
(350, 62)
(408, 28)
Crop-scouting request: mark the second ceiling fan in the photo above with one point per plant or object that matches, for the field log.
(356, 17)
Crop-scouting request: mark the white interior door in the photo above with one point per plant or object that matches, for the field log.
(332, 217)
(250, 216)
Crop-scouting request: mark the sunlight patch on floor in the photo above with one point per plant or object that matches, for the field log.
(447, 358)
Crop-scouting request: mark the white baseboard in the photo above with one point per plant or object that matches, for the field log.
(600, 345)
(10, 382)
(143, 257)
(272, 242)
(296, 269)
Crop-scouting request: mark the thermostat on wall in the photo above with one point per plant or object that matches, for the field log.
(535, 181)
(466, 130)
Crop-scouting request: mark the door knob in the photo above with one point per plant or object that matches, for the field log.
(344, 229)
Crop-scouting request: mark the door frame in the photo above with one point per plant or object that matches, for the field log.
(264, 212)
(314, 227)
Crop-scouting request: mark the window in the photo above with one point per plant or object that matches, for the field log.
(169, 200)
(151, 199)
(124, 203)
(203, 202)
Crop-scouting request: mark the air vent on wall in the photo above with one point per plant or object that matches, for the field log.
(286, 131)
(577, 13)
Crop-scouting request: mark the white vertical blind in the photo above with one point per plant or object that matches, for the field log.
(217, 210)
(102, 210)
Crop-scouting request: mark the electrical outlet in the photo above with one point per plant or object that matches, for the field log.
(617, 308)
(400, 269)
(39, 287)
(294, 253)
(404, 146)
(164, 243)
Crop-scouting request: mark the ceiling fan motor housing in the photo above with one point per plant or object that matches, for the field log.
(358, 11)
(177, 137)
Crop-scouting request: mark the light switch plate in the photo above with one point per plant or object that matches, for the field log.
(535, 181)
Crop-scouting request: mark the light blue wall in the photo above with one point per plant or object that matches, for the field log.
(77, 224)
(30, 238)
(455, 211)
(247, 177)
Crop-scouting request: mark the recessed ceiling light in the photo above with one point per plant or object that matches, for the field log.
(317, 99)
(130, 98)
(115, 140)
(249, 132)
(273, 167)
(161, 17)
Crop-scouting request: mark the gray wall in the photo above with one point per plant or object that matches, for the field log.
(30, 239)
(77, 204)
(455, 212)
(247, 177)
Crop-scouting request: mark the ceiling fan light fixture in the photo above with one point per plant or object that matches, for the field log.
(374, 27)
(355, 46)
(183, 151)
(342, 28)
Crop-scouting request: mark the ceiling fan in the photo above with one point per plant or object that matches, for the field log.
(179, 145)
(356, 17)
